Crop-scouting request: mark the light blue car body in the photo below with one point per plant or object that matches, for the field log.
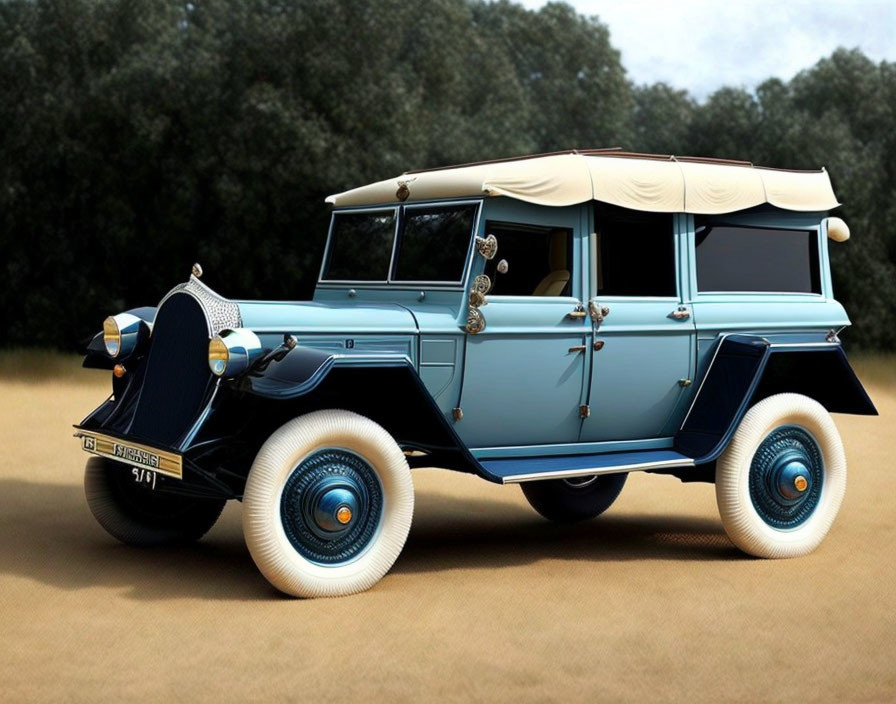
(532, 384)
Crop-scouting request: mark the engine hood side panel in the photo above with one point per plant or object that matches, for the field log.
(321, 318)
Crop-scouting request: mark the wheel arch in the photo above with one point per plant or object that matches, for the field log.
(747, 369)
(384, 388)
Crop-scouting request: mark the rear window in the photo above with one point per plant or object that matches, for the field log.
(433, 243)
(754, 259)
(361, 246)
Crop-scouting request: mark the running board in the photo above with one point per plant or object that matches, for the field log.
(530, 469)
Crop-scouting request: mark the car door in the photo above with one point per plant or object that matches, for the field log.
(642, 348)
(524, 373)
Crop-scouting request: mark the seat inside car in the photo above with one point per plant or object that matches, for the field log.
(554, 284)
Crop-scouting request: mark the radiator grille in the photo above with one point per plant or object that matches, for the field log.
(177, 375)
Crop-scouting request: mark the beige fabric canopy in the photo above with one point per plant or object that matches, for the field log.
(636, 181)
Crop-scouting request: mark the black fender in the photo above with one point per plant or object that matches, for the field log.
(383, 387)
(95, 356)
(746, 369)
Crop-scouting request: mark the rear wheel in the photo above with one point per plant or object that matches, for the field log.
(328, 505)
(137, 515)
(780, 482)
(571, 500)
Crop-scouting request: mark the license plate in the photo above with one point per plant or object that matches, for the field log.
(168, 463)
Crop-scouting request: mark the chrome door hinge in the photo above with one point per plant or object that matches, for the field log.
(458, 415)
(584, 411)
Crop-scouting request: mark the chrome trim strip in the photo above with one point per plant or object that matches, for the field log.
(506, 452)
(803, 344)
(570, 473)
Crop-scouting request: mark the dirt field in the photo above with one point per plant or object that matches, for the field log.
(488, 601)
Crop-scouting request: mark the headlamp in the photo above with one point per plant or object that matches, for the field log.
(122, 334)
(232, 352)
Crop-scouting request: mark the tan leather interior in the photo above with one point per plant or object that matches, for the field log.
(555, 283)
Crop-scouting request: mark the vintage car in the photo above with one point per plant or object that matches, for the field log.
(553, 321)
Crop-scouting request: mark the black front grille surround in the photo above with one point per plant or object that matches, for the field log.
(177, 380)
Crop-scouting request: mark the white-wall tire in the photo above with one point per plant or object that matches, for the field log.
(747, 468)
(288, 452)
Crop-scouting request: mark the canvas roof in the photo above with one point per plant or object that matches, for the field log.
(637, 181)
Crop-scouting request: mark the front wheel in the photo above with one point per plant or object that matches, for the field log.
(571, 500)
(136, 515)
(780, 482)
(328, 505)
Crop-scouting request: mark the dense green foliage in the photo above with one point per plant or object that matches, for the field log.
(138, 136)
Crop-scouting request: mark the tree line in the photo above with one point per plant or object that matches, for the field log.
(139, 136)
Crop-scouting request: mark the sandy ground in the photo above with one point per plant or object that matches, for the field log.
(487, 602)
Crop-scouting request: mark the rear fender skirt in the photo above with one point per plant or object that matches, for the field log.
(746, 369)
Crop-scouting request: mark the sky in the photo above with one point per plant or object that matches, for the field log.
(701, 45)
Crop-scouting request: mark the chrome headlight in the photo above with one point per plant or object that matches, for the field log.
(233, 351)
(122, 333)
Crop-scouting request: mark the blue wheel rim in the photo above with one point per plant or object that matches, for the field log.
(313, 503)
(786, 477)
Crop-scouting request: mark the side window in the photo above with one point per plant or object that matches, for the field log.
(635, 253)
(539, 260)
(756, 259)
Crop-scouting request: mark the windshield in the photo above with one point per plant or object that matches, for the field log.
(432, 244)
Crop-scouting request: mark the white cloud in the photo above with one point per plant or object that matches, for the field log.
(701, 45)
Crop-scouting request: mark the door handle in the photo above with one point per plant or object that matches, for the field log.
(576, 348)
(680, 313)
(579, 312)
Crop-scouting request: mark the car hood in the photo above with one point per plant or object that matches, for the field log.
(310, 317)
